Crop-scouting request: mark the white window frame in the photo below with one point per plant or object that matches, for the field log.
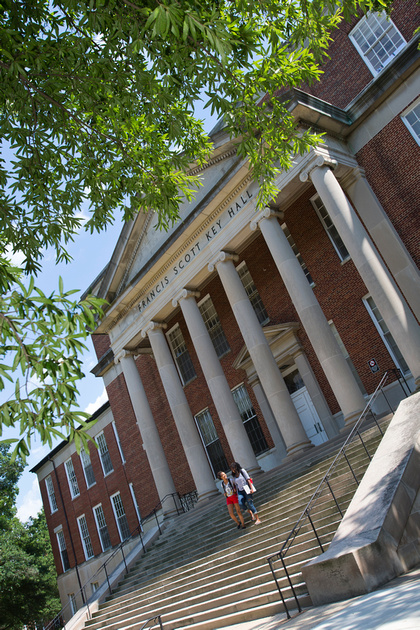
(408, 111)
(298, 255)
(136, 505)
(71, 478)
(331, 231)
(51, 494)
(117, 439)
(381, 334)
(99, 527)
(379, 19)
(213, 439)
(61, 541)
(168, 337)
(73, 603)
(117, 518)
(253, 293)
(85, 537)
(102, 454)
(216, 330)
(86, 462)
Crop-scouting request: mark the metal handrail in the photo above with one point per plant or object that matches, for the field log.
(325, 482)
(182, 504)
(158, 617)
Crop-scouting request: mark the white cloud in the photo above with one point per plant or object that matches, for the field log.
(31, 503)
(16, 258)
(94, 406)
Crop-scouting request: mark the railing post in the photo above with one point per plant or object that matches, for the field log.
(270, 562)
(351, 468)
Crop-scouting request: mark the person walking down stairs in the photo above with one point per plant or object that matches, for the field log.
(229, 490)
(245, 488)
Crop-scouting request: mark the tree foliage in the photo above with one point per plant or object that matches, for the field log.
(28, 586)
(97, 106)
(41, 339)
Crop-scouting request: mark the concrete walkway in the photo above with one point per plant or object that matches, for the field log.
(395, 606)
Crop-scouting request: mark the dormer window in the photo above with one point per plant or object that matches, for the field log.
(377, 40)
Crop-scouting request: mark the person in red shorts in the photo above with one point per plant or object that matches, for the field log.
(231, 495)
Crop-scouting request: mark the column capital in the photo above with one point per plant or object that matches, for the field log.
(222, 257)
(185, 294)
(122, 355)
(268, 213)
(316, 162)
(152, 326)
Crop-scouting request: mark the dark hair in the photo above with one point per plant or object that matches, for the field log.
(236, 467)
(219, 474)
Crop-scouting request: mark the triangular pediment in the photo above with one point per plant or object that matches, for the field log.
(283, 342)
(140, 244)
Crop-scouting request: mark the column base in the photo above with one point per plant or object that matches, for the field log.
(416, 385)
(299, 447)
(351, 419)
(207, 495)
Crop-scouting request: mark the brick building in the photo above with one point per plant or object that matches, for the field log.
(250, 336)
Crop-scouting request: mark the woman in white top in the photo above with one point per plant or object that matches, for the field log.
(240, 479)
(231, 495)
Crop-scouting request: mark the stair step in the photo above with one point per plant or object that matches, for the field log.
(202, 573)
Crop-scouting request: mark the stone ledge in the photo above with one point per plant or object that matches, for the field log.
(364, 553)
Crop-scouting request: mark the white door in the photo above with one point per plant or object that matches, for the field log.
(309, 417)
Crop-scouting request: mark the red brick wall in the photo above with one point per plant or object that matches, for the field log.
(392, 164)
(69, 509)
(101, 343)
(345, 73)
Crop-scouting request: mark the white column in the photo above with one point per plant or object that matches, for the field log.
(373, 271)
(188, 433)
(149, 433)
(327, 350)
(216, 381)
(284, 411)
(386, 238)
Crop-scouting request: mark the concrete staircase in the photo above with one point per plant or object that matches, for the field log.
(203, 573)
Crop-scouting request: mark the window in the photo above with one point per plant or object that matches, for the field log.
(102, 528)
(214, 327)
(87, 468)
(136, 505)
(72, 479)
(330, 228)
(297, 254)
(84, 535)
(120, 516)
(51, 494)
(347, 357)
(377, 40)
(411, 118)
(104, 454)
(73, 604)
(94, 586)
(254, 296)
(250, 420)
(386, 336)
(63, 550)
(211, 442)
(117, 439)
(181, 355)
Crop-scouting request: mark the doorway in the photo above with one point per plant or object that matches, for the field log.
(305, 408)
